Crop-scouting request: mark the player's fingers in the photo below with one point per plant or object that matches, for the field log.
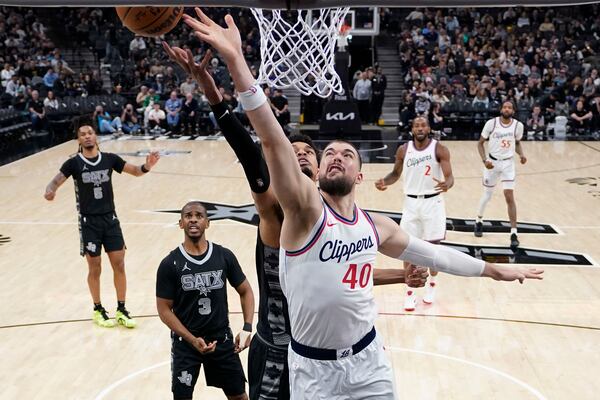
(195, 24)
(206, 59)
(230, 23)
(203, 17)
(436, 180)
(204, 37)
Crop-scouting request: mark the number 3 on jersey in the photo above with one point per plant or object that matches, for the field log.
(364, 276)
(204, 306)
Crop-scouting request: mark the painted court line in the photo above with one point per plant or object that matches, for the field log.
(511, 378)
(118, 383)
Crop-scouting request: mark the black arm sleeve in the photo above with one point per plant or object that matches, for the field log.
(244, 148)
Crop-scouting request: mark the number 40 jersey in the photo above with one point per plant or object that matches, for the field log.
(328, 282)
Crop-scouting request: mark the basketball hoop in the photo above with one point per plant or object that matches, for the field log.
(298, 49)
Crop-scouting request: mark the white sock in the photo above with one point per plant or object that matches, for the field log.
(432, 279)
(479, 219)
(485, 199)
(513, 230)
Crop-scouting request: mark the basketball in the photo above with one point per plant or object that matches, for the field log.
(149, 21)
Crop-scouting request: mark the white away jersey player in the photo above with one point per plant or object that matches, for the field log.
(328, 283)
(424, 214)
(502, 138)
(501, 141)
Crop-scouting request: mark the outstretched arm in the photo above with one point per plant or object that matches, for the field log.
(397, 244)
(139, 170)
(240, 141)
(296, 193)
(53, 186)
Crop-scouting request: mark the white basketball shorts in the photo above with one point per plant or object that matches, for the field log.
(504, 170)
(425, 218)
(363, 376)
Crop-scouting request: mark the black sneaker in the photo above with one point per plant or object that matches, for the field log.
(514, 242)
(478, 229)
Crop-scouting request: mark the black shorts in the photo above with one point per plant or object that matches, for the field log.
(98, 230)
(268, 372)
(222, 368)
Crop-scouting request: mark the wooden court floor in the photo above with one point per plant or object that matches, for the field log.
(480, 340)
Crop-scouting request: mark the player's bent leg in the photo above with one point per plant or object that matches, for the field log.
(268, 375)
(488, 191)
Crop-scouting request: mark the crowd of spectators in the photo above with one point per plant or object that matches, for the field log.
(462, 61)
(469, 60)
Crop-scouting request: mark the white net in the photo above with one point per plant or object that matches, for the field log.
(298, 49)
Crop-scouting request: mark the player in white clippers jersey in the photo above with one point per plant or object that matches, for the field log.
(504, 134)
(325, 233)
(427, 173)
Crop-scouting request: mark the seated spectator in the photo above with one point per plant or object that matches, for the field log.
(581, 118)
(188, 86)
(189, 114)
(39, 121)
(535, 122)
(107, 124)
(6, 74)
(436, 120)
(141, 97)
(422, 105)
(51, 102)
(149, 100)
(129, 120)
(481, 101)
(280, 106)
(156, 118)
(50, 77)
(173, 108)
(171, 81)
(439, 97)
(14, 86)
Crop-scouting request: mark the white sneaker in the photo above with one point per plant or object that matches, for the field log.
(429, 293)
(410, 301)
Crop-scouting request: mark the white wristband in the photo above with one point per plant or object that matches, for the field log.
(253, 98)
(441, 258)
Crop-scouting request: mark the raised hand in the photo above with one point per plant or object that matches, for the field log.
(226, 40)
(185, 60)
(152, 159)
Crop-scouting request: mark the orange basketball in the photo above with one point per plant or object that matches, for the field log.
(149, 21)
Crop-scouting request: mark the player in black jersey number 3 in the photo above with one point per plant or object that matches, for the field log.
(191, 298)
(98, 223)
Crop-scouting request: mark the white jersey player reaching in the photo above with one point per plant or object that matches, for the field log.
(427, 174)
(504, 134)
(330, 246)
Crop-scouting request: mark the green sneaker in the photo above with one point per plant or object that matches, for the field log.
(124, 319)
(101, 318)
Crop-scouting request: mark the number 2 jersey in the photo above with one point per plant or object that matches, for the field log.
(92, 178)
(328, 283)
(196, 284)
